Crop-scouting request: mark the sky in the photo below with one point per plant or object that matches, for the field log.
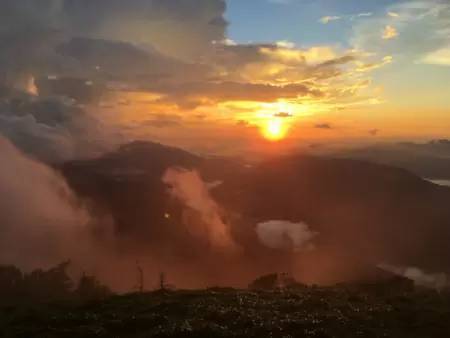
(296, 20)
(230, 77)
(413, 88)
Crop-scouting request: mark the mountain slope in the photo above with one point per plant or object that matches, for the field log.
(366, 214)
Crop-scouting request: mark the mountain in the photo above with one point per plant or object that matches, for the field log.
(363, 211)
(429, 160)
(127, 183)
(365, 214)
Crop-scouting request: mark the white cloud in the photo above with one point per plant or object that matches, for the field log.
(285, 44)
(390, 32)
(393, 14)
(419, 30)
(437, 281)
(364, 15)
(189, 188)
(327, 19)
(438, 57)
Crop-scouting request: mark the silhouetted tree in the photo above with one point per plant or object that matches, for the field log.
(140, 278)
(11, 283)
(163, 284)
(275, 281)
(53, 284)
(162, 281)
(89, 288)
(265, 282)
(47, 286)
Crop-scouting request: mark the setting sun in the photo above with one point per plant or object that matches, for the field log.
(274, 129)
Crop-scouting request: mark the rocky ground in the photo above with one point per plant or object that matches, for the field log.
(340, 311)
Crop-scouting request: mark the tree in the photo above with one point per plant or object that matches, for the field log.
(53, 284)
(11, 283)
(89, 288)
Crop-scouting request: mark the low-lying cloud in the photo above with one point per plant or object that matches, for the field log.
(41, 221)
(188, 187)
(285, 235)
(437, 281)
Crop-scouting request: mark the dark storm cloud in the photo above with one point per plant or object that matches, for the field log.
(70, 52)
(54, 129)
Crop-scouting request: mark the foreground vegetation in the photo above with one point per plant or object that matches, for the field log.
(340, 311)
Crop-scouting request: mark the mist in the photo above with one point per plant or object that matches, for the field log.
(286, 235)
(42, 222)
(193, 192)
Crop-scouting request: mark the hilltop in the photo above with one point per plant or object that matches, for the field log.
(340, 312)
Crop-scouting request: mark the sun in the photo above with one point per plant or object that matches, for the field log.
(274, 129)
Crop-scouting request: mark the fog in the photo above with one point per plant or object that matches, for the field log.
(42, 223)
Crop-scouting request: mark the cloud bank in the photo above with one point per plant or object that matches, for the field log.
(42, 223)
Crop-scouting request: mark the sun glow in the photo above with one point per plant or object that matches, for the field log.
(275, 129)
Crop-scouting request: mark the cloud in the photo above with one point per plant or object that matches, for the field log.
(273, 64)
(393, 14)
(374, 132)
(327, 19)
(323, 126)
(424, 22)
(176, 53)
(49, 231)
(78, 54)
(190, 95)
(438, 57)
(363, 15)
(285, 44)
(190, 30)
(164, 121)
(282, 115)
(434, 281)
(30, 32)
(286, 235)
(188, 187)
(54, 129)
(389, 32)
